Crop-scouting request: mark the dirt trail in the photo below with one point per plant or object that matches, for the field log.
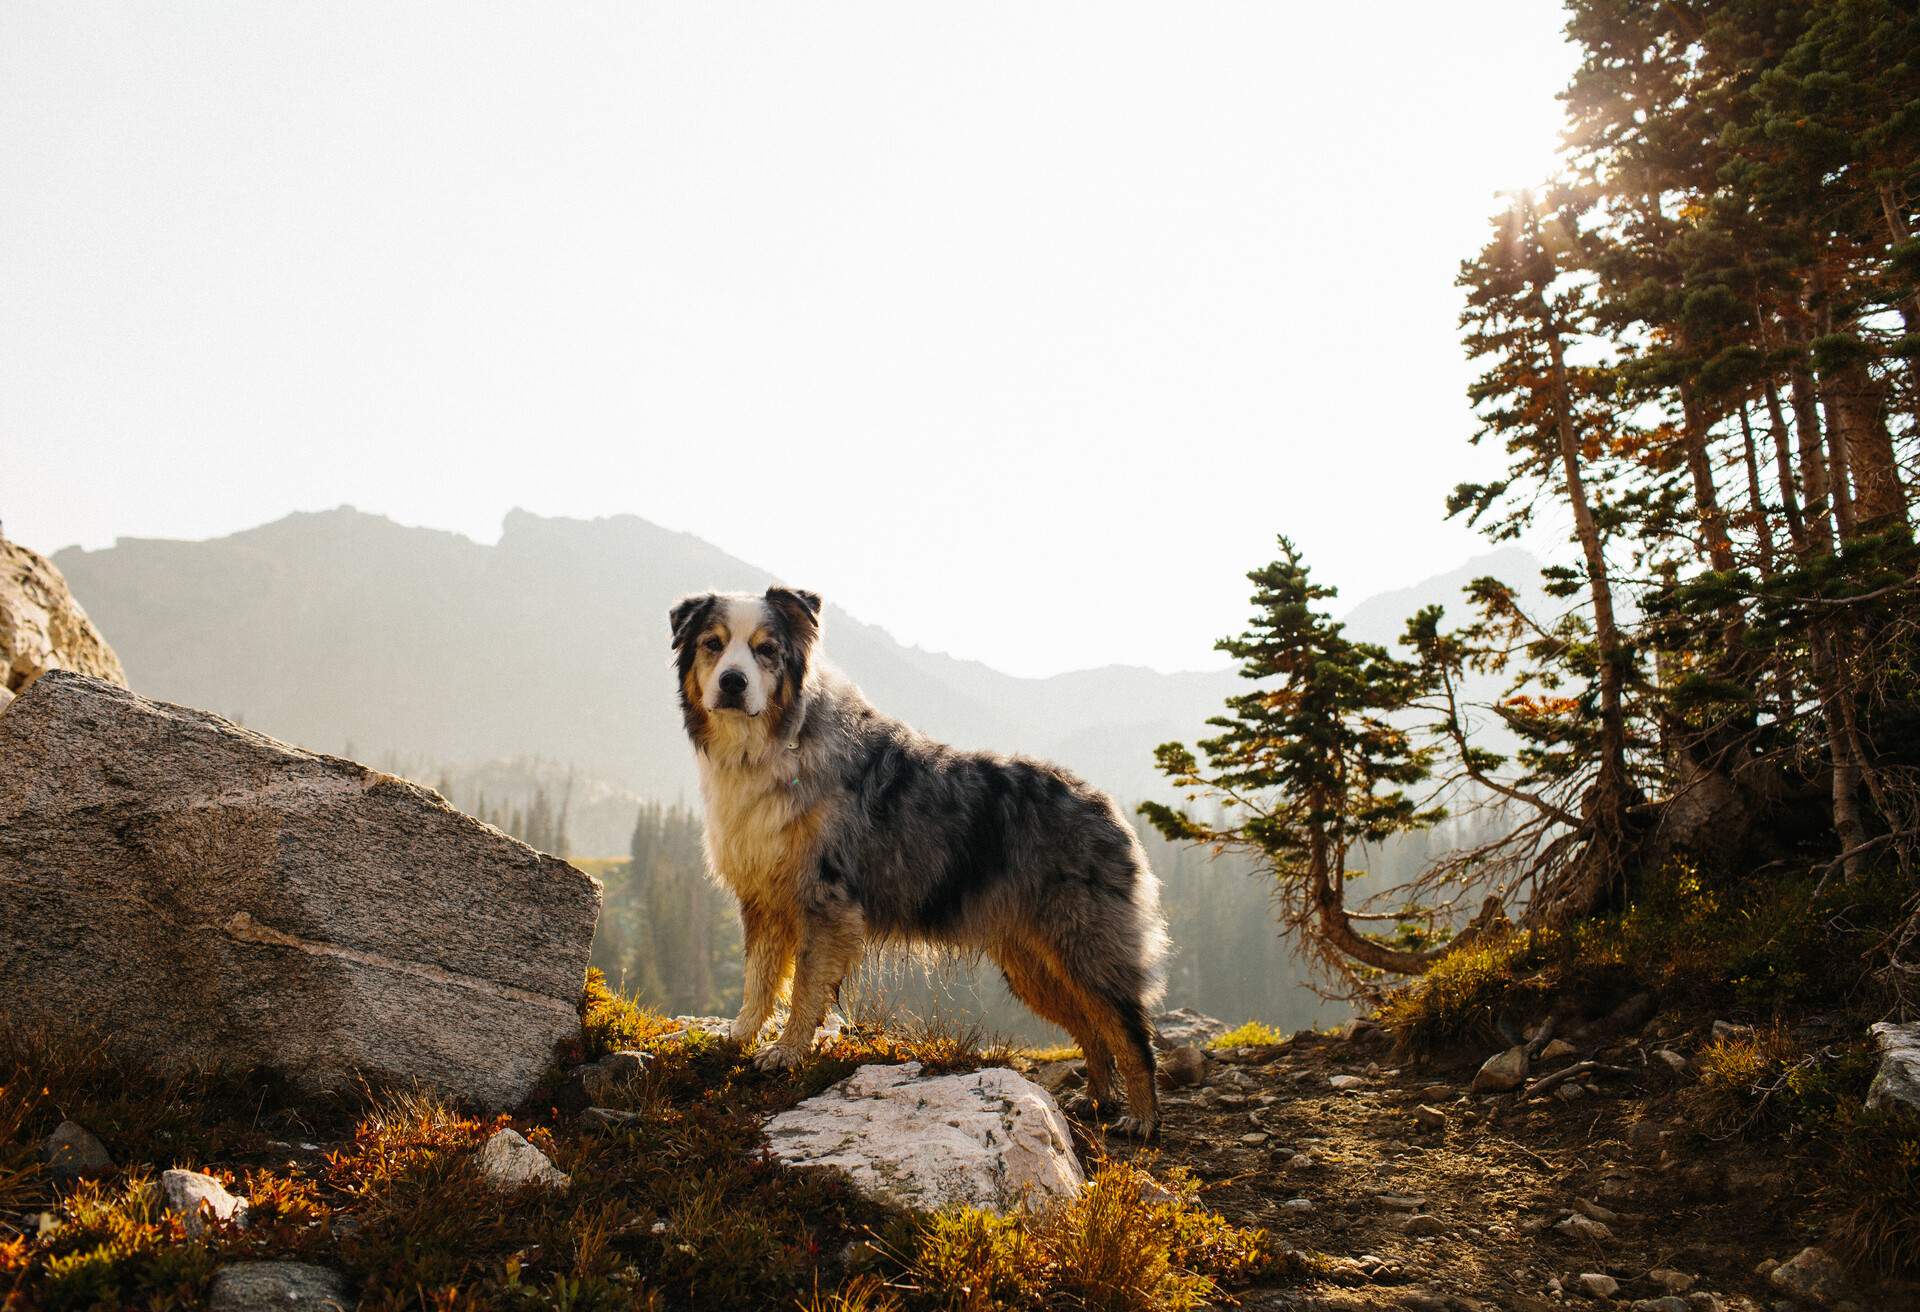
(1322, 1141)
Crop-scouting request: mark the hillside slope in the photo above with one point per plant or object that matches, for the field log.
(340, 628)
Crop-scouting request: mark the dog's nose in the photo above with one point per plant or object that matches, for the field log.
(733, 683)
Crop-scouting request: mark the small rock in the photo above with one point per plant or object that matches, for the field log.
(1810, 1273)
(1570, 1092)
(72, 1151)
(1502, 1071)
(1764, 1267)
(1558, 1050)
(1436, 1093)
(1595, 1211)
(1668, 1303)
(511, 1162)
(1728, 1030)
(1185, 1025)
(1255, 1137)
(605, 1079)
(1701, 1301)
(1423, 1223)
(1346, 1081)
(1585, 1227)
(1185, 1066)
(1401, 1202)
(1054, 1076)
(279, 1286)
(1298, 1205)
(1429, 1118)
(1672, 1060)
(1674, 1282)
(1299, 1162)
(1596, 1285)
(200, 1198)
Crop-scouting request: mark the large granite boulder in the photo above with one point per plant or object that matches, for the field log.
(207, 894)
(43, 628)
(1898, 1079)
(987, 1139)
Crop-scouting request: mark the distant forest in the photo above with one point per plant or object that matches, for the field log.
(670, 937)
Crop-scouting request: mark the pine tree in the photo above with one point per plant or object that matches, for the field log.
(1307, 767)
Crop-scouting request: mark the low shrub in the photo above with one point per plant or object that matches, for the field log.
(1253, 1034)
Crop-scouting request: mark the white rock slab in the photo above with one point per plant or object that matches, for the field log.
(989, 1139)
(1898, 1079)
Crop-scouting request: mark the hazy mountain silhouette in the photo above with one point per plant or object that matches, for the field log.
(341, 629)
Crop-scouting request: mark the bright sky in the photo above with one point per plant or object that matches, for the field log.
(1017, 328)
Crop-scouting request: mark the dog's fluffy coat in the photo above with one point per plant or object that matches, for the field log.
(835, 825)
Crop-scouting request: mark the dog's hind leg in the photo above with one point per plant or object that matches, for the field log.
(830, 943)
(1110, 990)
(768, 942)
(1033, 980)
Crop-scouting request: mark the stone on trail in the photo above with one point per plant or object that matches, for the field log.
(1183, 1025)
(1585, 1227)
(1557, 1050)
(989, 1138)
(200, 1199)
(228, 899)
(278, 1287)
(1184, 1067)
(1674, 1282)
(1810, 1273)
(1898, 1079)
(72, 1150)
(1597, 1285)
(1502, 1071)
(510, 1162)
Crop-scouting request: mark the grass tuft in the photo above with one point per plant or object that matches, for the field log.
(1253, 1034)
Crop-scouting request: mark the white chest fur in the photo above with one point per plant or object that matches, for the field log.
(758, 841)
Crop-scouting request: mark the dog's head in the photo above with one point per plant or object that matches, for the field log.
(743, 659)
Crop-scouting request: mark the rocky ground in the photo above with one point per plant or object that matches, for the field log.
(1425, 1195)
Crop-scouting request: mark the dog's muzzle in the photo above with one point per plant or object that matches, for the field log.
(733, 691)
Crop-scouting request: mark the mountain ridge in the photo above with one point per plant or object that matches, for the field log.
(337, 626)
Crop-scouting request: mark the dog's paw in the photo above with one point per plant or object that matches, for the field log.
(778, 1057)
(742, 1031)
(1083, 1107)
(1136, 1127)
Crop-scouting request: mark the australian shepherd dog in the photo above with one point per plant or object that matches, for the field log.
(836, 826)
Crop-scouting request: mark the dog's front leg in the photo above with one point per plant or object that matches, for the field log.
(830, 942)
(767, 942)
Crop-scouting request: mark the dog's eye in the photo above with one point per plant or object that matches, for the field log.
(766, 651)
(713, 645)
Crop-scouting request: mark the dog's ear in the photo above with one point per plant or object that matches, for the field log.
(811, 600)
(687, 615)
(801, 608)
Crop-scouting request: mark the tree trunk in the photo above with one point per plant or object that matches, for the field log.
(1910, 307)
(1756, 502)
(1859, 401)
(1813, 460)
(1783, 470)
(1337, 931)
(1713, 519)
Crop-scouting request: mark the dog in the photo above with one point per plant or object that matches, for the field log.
(836, 826)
